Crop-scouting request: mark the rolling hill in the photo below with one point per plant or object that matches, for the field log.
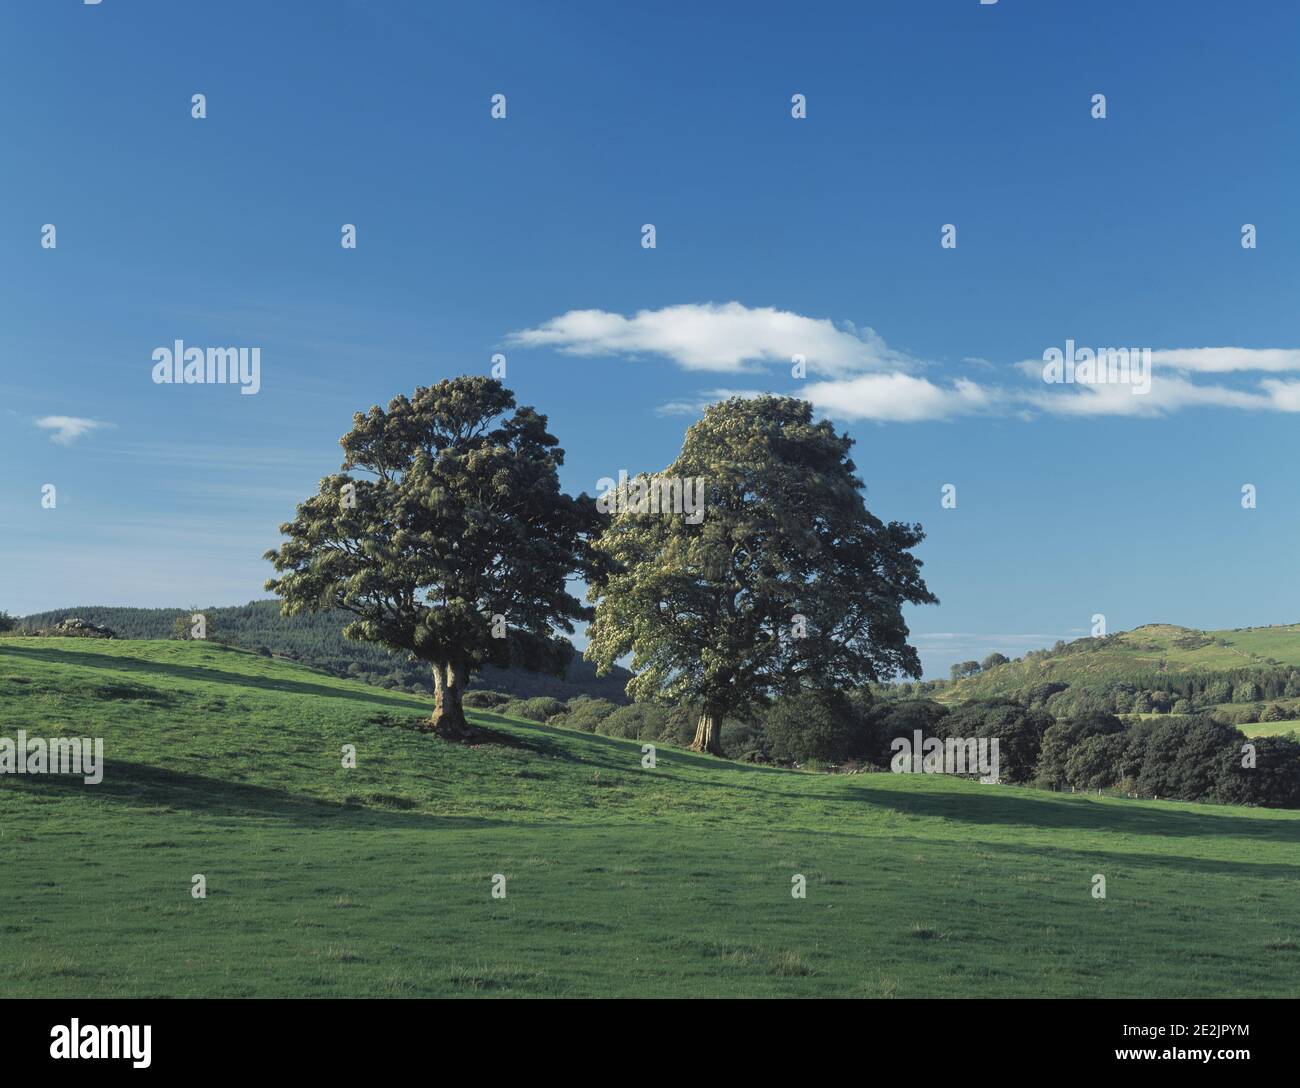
(1179, 661)
(620, 880)
(316, 639)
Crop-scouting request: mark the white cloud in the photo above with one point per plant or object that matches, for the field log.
(967, 638)
(1168, 394)
(726, 338)
(1207, 360)
(862, 378)
(899, 398)
(697, 404)
(1228, 360)
(1284, 395)
(1172, 387)
(67, 429)
(885, 398)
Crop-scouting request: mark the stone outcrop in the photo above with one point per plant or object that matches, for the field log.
(74, 627)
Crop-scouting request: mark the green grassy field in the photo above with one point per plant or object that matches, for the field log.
(1270, 729)
(1250, 729)
(1155, 647)
(620, 880)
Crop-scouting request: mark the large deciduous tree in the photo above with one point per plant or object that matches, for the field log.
(453, 541)
(787, 584)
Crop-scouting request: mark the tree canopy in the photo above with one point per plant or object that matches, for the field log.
(787, 583)
(455, 545)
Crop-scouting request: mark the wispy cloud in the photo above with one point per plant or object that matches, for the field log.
(726, 337)
(1174, 385)
(67, 429)
(860, 377)
(695, 405)
(1227, 360)
(967, 638)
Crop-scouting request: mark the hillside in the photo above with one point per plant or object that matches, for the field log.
(316, 639)
(620, 880)
(1204, 667)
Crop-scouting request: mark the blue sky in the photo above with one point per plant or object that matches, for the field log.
(523, 236)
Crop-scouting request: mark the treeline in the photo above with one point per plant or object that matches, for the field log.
(316, 639)
(1239, 695)
(1180, 757)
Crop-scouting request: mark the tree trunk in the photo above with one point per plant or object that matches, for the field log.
(448, 715)
(708, 733)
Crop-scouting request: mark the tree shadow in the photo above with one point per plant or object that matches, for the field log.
(1028, 807)
(1088, 860)
(137, 784)
(212, 675)
(666, 755)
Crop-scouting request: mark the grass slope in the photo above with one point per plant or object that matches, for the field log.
(316, 639)
(1156, 647)
(621, 881)
(1271, 729)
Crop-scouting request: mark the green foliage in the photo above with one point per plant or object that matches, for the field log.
(1019, 732)
(903, 719)
(1179, 757)
(681, 724)
(1061, 740)
(539, 709)
(708, 611)
(7, 622)
(640, 721)
(453, 544)
(183, 626)
(1273, 781)
(1246, 691)
(746, 741)
(820, 727)
(585, 713)
(1218, 691)
(486, 699)
(1093, 763)
(1038, 695)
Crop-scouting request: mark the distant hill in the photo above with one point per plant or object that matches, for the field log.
(316, 639)
(1154, 664)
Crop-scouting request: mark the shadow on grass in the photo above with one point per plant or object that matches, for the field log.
(143, 784)
(1027, 807)
(619, 749)
(211, 675)
(1023, 807)
(1091, 861)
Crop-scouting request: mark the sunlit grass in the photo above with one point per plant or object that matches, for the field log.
(619, 880)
